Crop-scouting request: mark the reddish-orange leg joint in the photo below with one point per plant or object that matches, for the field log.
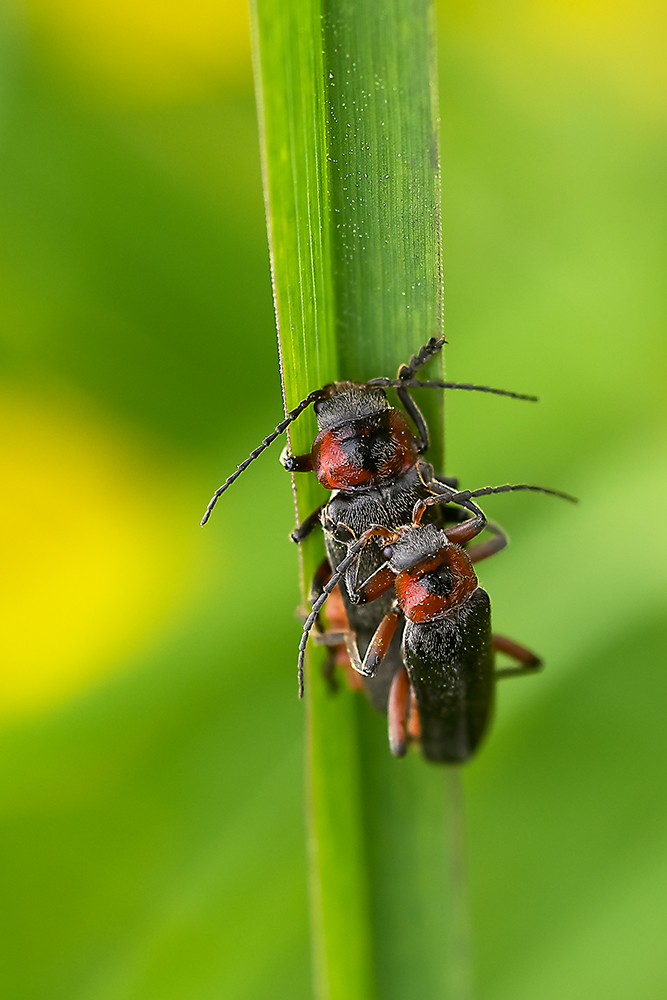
(338, 623)
(379, 644)
(418, 511)
(513, 649)
(414, 726)
(486, 549)
(404, 728)
(376, 585)
(529, 662)
(321, 577)
(462, 533)
(399, 699)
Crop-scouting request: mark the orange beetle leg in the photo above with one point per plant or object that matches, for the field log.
(397, 708)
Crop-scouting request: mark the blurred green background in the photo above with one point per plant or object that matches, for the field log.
(152, 840)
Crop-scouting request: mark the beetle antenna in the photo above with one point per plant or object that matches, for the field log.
(339, 572)
(447, 495)
(464, 498)
(411, 383)
(487, 490)
(280, 429)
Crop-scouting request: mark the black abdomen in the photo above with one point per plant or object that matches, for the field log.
(451, 666)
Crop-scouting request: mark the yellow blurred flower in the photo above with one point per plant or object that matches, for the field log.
(619, 45)
(97, 545)
(147, 50)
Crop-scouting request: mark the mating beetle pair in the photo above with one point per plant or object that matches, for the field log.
(368, 455)
(366, 452)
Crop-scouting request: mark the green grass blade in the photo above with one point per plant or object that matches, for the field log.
(385, 194)
(346, 95)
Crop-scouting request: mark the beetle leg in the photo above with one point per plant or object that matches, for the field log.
(417, 361)
(490, 547)
(342, 650)
(296, 463)
(329, 672)
(397, 711)
(464, 532)
(416, 416)
(339, 637)
(403, 728)
(529, 662)
(304, 529)
(414, 726)
(339, 656)
(330, 638)
(377, 584)
(345, 653)
(379, 644)
(321, 576)
(352, 554)
(377, 648)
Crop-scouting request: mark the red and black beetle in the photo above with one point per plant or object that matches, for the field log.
(443, 697)
(362, 440)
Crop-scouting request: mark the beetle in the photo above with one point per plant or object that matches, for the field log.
(362, 441)
(366, 452)
(444, 696)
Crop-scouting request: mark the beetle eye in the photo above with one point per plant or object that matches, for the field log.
(342, 533)
(388, 552)
(317, 405)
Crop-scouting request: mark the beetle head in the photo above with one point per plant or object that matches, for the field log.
(349, 402)
(413, 545)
